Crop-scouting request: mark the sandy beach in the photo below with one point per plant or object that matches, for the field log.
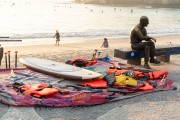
(156, 106)
(68, 51)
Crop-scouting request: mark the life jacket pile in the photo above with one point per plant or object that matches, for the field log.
(115, 78)
(128, 79)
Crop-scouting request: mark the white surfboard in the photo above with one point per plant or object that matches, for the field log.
(58, 69)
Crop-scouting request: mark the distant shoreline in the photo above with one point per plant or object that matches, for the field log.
(135, 5)
(84, 40)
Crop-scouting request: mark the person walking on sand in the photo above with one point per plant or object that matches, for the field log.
(105, 43)
(57, 35)
(140, 41)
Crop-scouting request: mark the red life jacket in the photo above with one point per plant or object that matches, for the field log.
(91, 62)
(82, 62)
(157, 74)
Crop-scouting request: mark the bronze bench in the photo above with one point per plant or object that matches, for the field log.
(134, 57)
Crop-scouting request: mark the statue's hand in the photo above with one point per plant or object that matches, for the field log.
(153, 39)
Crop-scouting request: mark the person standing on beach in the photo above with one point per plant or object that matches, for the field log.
(57, 35)
(140, 41)
(105, 43)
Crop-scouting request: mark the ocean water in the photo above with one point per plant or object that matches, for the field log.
(35, 21)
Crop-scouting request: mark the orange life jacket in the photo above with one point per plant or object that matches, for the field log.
(44, 92)
(147, 86)
(96, 84)
(29, 88)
